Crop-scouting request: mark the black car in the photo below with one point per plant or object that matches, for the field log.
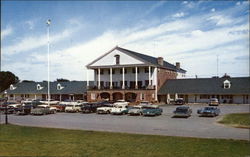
(90, 107)
(179, 101)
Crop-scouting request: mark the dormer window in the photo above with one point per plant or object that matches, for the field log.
(39, 87)
(117, 59)
(12, 87)
(226, 84)
(59, 86)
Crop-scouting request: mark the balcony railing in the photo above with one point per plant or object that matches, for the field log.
(120, 88)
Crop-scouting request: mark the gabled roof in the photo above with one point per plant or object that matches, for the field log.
(73, 87)
(145, 58)
(239, 85)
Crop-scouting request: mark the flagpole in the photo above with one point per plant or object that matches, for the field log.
(48, 24)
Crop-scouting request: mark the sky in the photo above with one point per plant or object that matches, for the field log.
(201, 35)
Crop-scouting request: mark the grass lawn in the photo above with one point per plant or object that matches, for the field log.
(33, 141)
(239, 120)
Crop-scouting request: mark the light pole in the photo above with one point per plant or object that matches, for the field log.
(48, 24)
(6, 109)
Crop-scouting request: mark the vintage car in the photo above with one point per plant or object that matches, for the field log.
(144, 103)
(213, 102)
(105, 109)
(152, 110)
(90, 107)
(121, 102)
(40, 110)
(179, 101)
(209, 111)
(73, 107)
(119, 109)
(135, 110)
(182, 111)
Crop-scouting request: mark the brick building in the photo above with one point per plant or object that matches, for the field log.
(128, 75)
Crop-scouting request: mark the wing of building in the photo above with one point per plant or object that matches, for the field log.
(129, 75)
(227, 90)
(74, 90)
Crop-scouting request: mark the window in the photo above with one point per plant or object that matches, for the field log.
(227, 84)
(138, 70)
(39, 87)
(113, 71)
(204, 96)
(146, 70)
(101, 71)
(12, 87)
(93, 96)
(142, 96)
(59, 86)
(125, 71)
(117, 59)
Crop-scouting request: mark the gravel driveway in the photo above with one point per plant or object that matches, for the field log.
(194, 126)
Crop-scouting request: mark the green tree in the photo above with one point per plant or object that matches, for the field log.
(6, 79)
(62, 80)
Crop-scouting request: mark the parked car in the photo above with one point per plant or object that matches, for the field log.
(135, 110)
(90, 107)
(152, 110)
(209, 111)
(213, 102)
(179, 101)
(121, 102)
(105, 109)
(144, 103)
(182, 111)
(40, 110)
(73, 107)
(119, 109)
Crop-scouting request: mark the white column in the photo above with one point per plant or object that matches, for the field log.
(35, 96)
(136, 78)
(149, 76)
(156, 83)
(87, 79)
(123, 78)
(99, 78)
(110, 78)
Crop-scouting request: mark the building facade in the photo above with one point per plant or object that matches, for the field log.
(74, 90)
(128, 75)
(227, 90)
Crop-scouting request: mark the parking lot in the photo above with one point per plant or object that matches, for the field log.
(194, 126)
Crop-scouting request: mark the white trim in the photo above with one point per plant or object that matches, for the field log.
(99, 78)
(123, 78)
(110, 78)
(136, 78)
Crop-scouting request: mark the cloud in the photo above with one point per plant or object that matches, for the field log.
(213, 10)
(6, 32)
(32, 42)
(30, 24)
(154, 7)
(220, 20)
(177, 15)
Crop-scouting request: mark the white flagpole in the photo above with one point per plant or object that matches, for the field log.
(48, 24)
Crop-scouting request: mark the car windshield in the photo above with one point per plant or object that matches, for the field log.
(181, 110)
(208, 108)
(70, 105)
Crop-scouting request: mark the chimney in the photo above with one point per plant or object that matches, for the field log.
(160, 60)
(178, 65)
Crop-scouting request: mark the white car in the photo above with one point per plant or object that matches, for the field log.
(121, 102)
(119, 109)
(145, 103)
(104, 110)
(73, 107)
(135, 110)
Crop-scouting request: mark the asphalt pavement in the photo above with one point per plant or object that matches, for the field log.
(194, 126)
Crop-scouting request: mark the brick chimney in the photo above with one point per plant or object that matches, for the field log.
(160, 60)
(178, 65)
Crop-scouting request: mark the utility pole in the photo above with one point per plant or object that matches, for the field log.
(48, 24)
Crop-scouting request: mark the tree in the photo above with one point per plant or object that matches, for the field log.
(28, 81)
(6, 79)
(62, 80)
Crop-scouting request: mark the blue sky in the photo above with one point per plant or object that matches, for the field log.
(191, 32)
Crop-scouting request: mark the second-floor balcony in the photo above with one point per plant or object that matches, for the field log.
(121, 88)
